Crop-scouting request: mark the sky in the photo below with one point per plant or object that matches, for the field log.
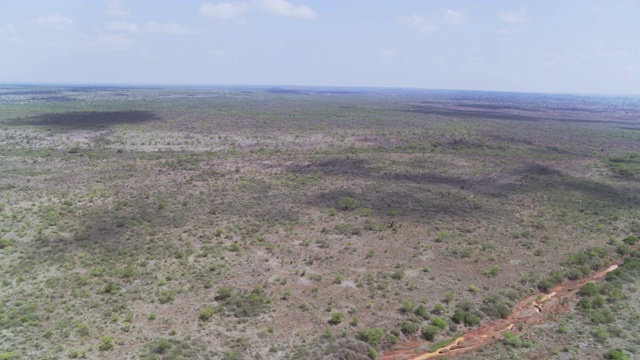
(568, 46)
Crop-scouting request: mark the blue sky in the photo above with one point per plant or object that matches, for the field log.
(540, 46)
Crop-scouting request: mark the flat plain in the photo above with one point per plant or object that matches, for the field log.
(311, 223)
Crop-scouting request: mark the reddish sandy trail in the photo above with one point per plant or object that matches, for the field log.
(529, 312)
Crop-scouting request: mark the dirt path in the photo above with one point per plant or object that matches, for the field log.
(530, 311)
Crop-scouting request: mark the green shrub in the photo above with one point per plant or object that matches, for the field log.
(231, 355)
(336, 318)
(397, 275)
(458, 316)
(83, 330)
(5, 243)
(409, 327)
(615, 354)
(223, 293)
(602, 316)
(471, 319)
(206, 314)
(110, 288)
(439, 322)
(422, 312)
(372, 336)
(160, 346)
(622, 250)
(107, 343)
(391, 340)
(128, 272)
(584, 304)
(243, 303)
(407, 307)
(588, 289)
(438, 309)
(373, 354)
(574, 274)
(600, 335)
(348, 203)
(166, 296)
(493, 307)
(546, 284)
(599, 301)
(511, 339)
(430, 332)
(494, 271)
(8, 355)
(462, 316)
(631, 240)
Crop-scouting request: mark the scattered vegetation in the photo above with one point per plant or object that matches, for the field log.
(246, 214)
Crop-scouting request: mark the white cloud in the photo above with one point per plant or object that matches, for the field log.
(225, 10)
(430, 24)
(285, 8)
(514, 17)
(117, 41)
(424, 25)
(454, 17)
(52, 21)
(229, 10)
(122, 26)
(151, 27)
(167, 28)
(114, 8)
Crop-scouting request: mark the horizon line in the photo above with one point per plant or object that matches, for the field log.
(285, 86)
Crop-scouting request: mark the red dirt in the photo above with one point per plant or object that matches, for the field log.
(532, 310)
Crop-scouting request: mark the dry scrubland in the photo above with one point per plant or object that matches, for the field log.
(310, 223)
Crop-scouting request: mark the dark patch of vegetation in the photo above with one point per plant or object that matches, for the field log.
(88, 119)
(241, 303)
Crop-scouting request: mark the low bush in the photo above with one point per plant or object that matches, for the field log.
(107, 343)
(631, 240)
(347, 203)
(588, 289)
(160, 346)
(206, 314)
(430, 332)
(409, 327)
(615, 354)
(243, 303)
(422, 312)
(439, 322)
(372, 336)
(336, 318)
(512, 340)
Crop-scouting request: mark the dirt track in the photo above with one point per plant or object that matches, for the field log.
(529, 312)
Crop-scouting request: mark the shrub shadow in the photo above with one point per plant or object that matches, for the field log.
(429, 194)
(90, 120)
(495, 113)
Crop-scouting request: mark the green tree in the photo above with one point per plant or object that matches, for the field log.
(348, 203)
